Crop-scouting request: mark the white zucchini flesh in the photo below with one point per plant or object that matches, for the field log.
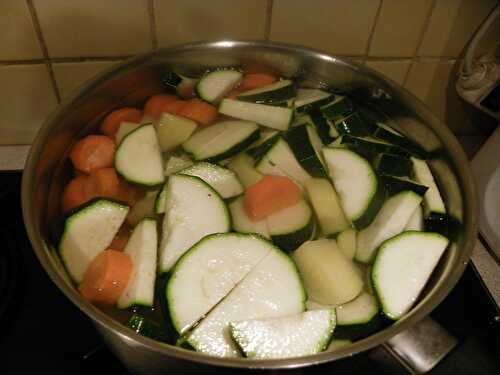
(213, 86)
(242, 223)
(258, 296)
(124, 129)
(402, 267)
(208, 272)
(138, 157)
(313, 305)
(274, 117)
(358, 311)
(337, 344)
(353, 178)
(173, 130)
(280, 160)
(346, 240)
(432, 198)
(309, 96)
(329, 277)
(243, 166)
(177, 163)
(142, 247)
(160, 201)
(188, 201)
(290, 336)
(416, 221)
(222, 180)
(88, 232)
(326, 206)
(290, 219)
(389, 221)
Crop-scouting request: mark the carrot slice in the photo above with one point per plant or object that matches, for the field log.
(93, 152)
(106, 277)
(121, 238)
(127, 193)
(271, 194)
(255, 80)
(199, 111)
(75, 193)
(112, 121)
(103, 183)
(155, 105)
(174, 107)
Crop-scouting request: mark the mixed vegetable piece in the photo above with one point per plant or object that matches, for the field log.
(261, 218)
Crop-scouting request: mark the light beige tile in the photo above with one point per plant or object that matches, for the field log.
(71, 75)
(94, 27)
(399, 27)
(26, 99)
(434, 83)
(452, 24)
(17, 38)
(340, 26)
(181, 21)
(395, 70)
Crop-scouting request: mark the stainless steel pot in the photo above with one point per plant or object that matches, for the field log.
(129, 83)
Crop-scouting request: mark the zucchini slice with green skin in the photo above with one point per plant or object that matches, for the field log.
(243, 165)
(274, 117)
(258, 151)
(311, 99)
(160, 200)
(178, 83)
(352, 124)
(124, 129)
(87, 232)
(208, 272)
(374, 146)
(337, 344)
(346, 241)
(148, 328)
(433, 203)
(390, 221)
(258, 296)
(177, 163)
(173, 130)
(142, 247)
(337, 108)
(222, 140)
(275, 93)
(306, 146)
(185, 222)
(326, 130)
(402, 267)
(291, 227)
(416, 221)
(393, 165)
(393, 185)
(242, 223)
(284, 337)
(356, 184)
(222, 180)
(138, 157)
(213, 86)
(389, 134)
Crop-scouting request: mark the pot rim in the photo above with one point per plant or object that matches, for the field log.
(424, 307)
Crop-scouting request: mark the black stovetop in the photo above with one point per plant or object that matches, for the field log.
(42, 330)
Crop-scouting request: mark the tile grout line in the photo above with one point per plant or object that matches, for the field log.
(43, 46)
(372, 32)
(269, 16)
(152, 24)
(420, 41)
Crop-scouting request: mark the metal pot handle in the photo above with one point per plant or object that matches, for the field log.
(416, 350)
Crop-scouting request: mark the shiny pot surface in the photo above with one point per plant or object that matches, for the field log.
(131, 82)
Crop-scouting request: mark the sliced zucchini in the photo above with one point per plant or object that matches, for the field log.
(188, 201)
(393, 165)
(243, 166)
(433, 203)
(177, 163)
(87, 232)
(326, 130)
(337, 108)
(149, 328)
(141, 247)
(313, 305)
(393, 185)
(337, 344)
(346, 241)
(258, 296)
(160, 201)
(416, 221)
(326, 205)
(208, 272)
(172, 130)
(356, 184)
(213, 86)
(390, 221)
(291, 227)
(402, 267)
(242, 223)
(311, 99)
(306, 146)
(279, 159)
(274, 117)
(124, 129)
(369, 145)
(275, 93)
(258, 151)
(389, 134)
(330, 278)
(144, 207)
(222, 180)
(284, 337)
(222, 140)
(352, 124)
(178, 83)
(138, 157)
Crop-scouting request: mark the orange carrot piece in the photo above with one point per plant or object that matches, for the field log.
(255, 80)
(174, 107)
(155, 105)
(271, 194)
(93, 152)
(127, 193)
(75, 193)
(112, 122)
(121, 238)
(199, 111)
(103, 183)
(106, 277)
